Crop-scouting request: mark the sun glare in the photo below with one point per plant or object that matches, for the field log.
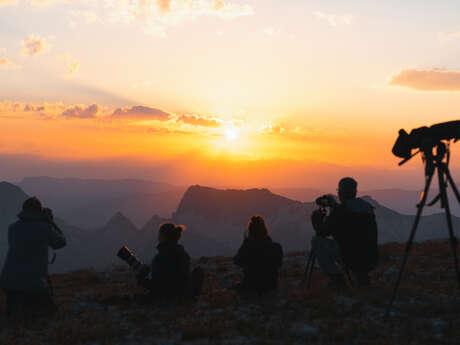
(231, 134)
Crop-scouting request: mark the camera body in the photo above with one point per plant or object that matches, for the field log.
(327, 200)
(140, 269)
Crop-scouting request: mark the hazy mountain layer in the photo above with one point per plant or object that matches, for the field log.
(89, 203)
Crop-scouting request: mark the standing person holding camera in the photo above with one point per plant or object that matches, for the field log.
(24, 277)
(353, 227)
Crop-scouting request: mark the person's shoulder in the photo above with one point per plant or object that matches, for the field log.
(277, 245)
(359, 205)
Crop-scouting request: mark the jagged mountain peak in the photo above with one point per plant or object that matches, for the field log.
(119, 220)
(153, 223)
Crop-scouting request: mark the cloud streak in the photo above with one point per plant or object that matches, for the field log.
(140, 113)
(154, 16)
(333, 19)
(427, 80)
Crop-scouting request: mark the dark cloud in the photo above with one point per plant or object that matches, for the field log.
(428, 80)
(82, 112)
(141, 113)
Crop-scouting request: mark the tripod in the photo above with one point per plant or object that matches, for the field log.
(434, 163)
(309, 270)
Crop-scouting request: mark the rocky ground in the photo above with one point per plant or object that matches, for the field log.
(95, 308)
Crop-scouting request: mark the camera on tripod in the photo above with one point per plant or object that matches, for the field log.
(424, 139)
(434, 145)
(140, 269)
(325, 201)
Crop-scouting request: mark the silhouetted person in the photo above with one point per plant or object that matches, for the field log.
(170, 267)
(24, 277)
(260, 258)
(353, 227)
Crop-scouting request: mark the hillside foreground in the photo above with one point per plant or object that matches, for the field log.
(94, 308)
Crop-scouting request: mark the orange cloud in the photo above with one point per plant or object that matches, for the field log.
(428, 80)
(34, 45)
(140, 113)
(199, 120)
(5, 63)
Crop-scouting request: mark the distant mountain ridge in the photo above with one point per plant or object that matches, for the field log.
(216, 222)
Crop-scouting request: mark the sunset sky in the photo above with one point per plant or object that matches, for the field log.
(224, 92)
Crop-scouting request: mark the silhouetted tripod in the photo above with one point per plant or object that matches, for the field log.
(434, 163)
(309, 270)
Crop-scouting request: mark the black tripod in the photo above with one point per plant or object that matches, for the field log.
(439, 163)
(309, 270)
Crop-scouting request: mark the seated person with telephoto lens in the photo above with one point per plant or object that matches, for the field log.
(353, 227)
(24, 277)
(260, 258)
(170, 273)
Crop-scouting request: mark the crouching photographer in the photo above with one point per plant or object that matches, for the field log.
(24, 277)
(169, 275)
(353, 228)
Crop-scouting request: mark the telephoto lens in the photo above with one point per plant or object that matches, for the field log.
(141, 270)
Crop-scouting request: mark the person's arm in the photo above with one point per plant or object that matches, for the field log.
(159, 272)
(242, 256)
(280, 255)
(56, 238)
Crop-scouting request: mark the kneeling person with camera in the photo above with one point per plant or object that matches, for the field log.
(170, 273)
(353, 227)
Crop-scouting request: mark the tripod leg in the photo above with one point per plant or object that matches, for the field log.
(453, 239)
(311, 270)
(429, 178)
(307, 268)
(347, 272)
(452, 183)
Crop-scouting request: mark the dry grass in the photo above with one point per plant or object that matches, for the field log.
(94, 311)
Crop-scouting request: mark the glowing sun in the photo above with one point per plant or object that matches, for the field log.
(231, 134)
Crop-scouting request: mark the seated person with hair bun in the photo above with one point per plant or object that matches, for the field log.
(260, 258)
(170, 267)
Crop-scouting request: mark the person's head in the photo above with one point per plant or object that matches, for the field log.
(32, 204)
(170, 232)
(257, 229)
(348, 187)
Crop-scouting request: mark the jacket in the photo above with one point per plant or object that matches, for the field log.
(26, 264)
(170, 271)
(352, 224)
(261, 260)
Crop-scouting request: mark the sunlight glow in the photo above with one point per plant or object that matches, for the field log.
(231, 133)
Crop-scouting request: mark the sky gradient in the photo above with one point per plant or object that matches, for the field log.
(229, 92)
